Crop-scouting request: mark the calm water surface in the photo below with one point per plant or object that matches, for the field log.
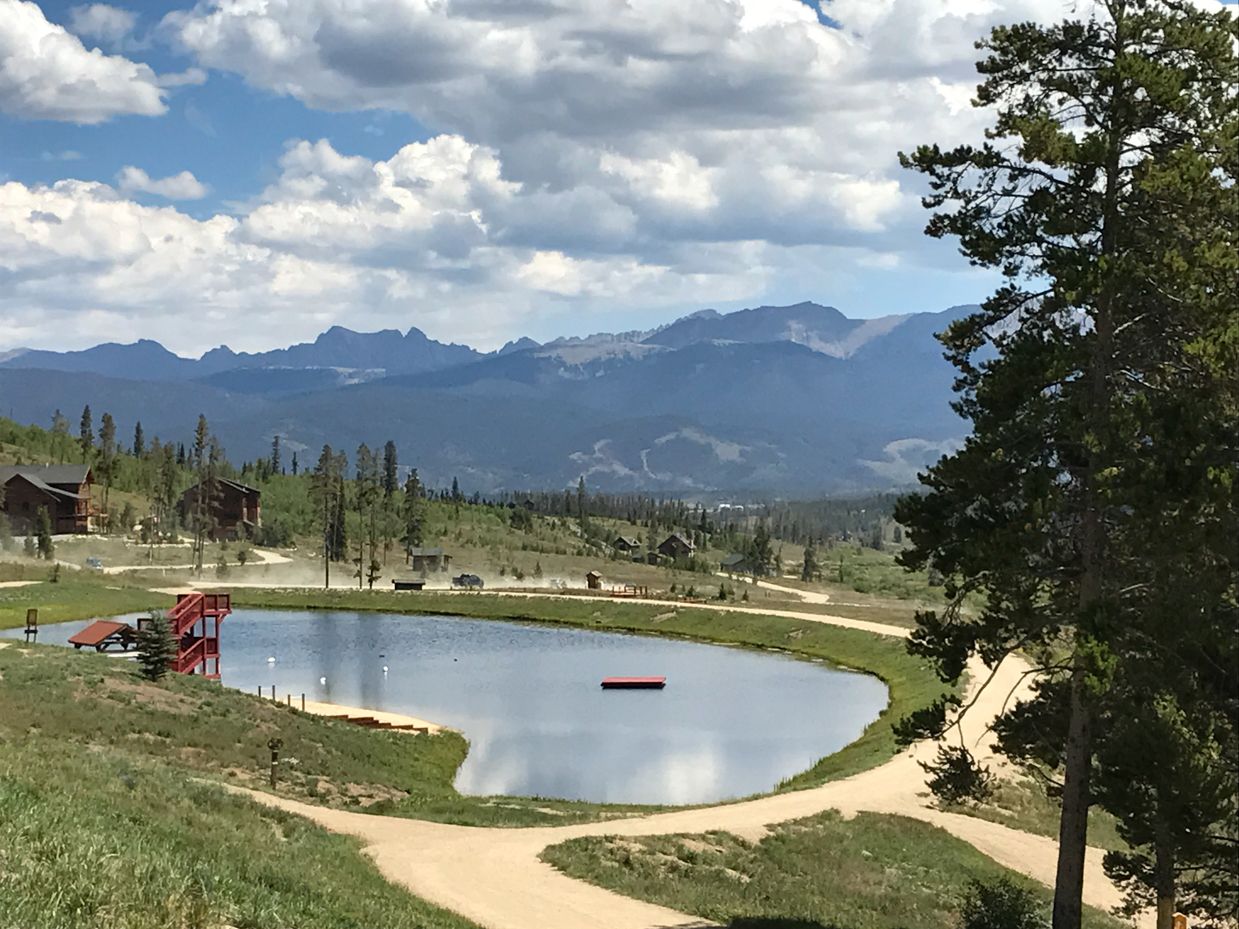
(730, 722)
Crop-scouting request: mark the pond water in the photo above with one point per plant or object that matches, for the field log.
(730, 722)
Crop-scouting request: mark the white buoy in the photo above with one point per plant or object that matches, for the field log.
(322, 680)
(271, 660)
(384, 669)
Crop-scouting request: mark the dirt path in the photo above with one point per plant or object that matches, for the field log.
(862, 624)
(807, 596)
(494, 877)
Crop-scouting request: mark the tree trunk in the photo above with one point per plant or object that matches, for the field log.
(1073, 826)
(1164, 885)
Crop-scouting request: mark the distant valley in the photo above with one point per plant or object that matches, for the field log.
(796, 400)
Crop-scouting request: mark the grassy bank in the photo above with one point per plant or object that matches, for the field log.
(193, 724)
(76, 595)
(1025, 805)
(871, 872)
(113, 840)
(912, 684)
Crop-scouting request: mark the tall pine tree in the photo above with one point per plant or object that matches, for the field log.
(1054, 369)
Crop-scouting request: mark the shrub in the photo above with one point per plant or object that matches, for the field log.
(1000, 905)
(156, 647)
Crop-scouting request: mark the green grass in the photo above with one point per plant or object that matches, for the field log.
(871, 872)
(1025, 805)
(911, 682)
(77, 595)
(92, 837)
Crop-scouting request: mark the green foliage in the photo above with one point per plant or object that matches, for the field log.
(43, 523)
(927, 722)
(1002, 904)
(156, 646)
(94, 838)
(873, 871)
(957, 777)
(1093, 504)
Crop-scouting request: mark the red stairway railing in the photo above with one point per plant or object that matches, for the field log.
(197, 645)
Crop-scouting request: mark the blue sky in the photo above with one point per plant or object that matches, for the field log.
(252, 173)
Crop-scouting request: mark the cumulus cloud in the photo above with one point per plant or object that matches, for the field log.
(587, 155)
(183, 186)
(336, 239)
(102, 22)
(46, 73)
(636, 124)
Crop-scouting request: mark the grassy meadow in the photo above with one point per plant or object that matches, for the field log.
(74, 595)
(119, 841)
(874, 871)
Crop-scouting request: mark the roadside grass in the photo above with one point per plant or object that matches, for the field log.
(94, 837)
(912, 684)
(1024, 804)
(874, 871)
(76, 595)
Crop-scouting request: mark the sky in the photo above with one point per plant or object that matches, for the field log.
(252, 172)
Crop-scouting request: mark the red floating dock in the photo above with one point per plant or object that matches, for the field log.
(634, 683)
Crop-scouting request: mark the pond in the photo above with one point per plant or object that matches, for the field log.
(730, 722)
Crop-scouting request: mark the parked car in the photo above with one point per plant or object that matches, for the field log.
(467, 580)
(94, 563)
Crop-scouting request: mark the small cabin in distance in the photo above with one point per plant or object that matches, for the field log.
(738, 563)
(63, 489)
(426, 560)
(235, 509)
(625, 543)
(676, 546)
(593, 580)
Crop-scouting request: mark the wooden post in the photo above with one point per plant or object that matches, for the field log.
(303, 703)
(275, 745)
(290, 699)
(32, 624)
(260, 691)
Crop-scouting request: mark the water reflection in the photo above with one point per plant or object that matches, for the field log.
(731, 722)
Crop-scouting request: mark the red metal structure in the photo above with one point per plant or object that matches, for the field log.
(194, 623)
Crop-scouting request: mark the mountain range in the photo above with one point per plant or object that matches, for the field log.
(796, 400)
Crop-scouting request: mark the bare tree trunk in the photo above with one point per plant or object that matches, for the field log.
(1164, 885)
(1073, 826)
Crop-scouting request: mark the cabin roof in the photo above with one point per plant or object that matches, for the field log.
(47, 488)
(76, 474)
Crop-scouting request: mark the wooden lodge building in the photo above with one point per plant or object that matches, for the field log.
(235, 509)
(63, 489)
(676, 546)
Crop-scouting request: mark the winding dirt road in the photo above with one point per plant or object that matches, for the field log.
(494, 877)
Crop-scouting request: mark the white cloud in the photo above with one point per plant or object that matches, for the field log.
(588, 157)
(183, 186)
(100, 21)
(637, 124)
(46, 73)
